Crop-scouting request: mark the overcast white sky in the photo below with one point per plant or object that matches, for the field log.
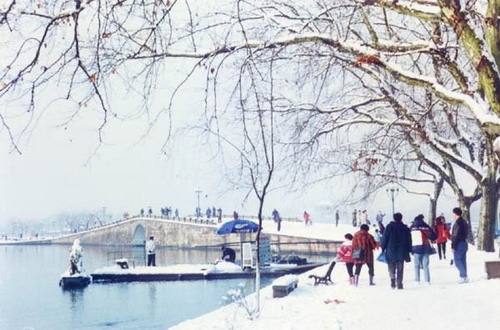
(54, 174)
(129, 172)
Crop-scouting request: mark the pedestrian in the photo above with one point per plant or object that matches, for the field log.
(443, 235)
(459, 244)
(396, 243)
(213, 211)
(359, 219)
(235, 215)
(307, 218)
(142, 212)
(208, 213)
(337, 217)
(219, 215)
(421, 237)
(151, 251)
(354, 217)
(377, 236)
(345, 255)
(363, 245)
(364, 218)
(380, 217)
(150, 212)
(277, 218)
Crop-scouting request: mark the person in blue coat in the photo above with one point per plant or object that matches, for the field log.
(396, 243)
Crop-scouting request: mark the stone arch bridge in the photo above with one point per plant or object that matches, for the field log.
(186, 233)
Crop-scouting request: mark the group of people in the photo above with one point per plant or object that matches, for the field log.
(398, 242)
(360, 217)
(167, 212)
(210, 212)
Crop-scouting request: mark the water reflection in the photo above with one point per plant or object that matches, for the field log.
(76, 302)
(152, 299)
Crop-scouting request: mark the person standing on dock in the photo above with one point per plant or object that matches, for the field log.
(151, 251)
(277, 218)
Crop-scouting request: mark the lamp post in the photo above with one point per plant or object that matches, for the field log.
(198, 192)
(392, 192)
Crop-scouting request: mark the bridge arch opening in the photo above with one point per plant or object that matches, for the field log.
(139, 237)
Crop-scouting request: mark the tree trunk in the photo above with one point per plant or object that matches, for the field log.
(257, 271)
(489, 202)
(465, 204)
(432, 211)
(438, 186)
(487, 217)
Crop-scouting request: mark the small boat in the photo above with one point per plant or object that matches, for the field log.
(77, 280)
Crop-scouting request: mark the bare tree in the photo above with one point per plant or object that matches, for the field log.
(410, 49)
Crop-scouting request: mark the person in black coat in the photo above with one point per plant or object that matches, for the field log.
(459, 245)
(228, 254)
(396, 243)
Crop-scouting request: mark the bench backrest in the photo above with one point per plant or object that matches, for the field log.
(330, 269)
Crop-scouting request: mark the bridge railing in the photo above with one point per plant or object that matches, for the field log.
(189, 219)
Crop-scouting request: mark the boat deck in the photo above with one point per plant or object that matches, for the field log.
(167, 274)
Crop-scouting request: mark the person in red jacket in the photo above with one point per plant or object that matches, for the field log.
(345, 255)
(443, 234)
(364, 242)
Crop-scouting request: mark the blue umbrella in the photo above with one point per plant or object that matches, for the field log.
(238, 226)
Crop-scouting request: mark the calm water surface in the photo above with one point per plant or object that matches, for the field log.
(30, 297)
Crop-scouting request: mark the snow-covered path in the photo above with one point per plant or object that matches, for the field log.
(318, 230)
(444, 304)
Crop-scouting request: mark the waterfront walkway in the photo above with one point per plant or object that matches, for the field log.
(444, 304)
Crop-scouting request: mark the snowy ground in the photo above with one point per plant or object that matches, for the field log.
(444, 304)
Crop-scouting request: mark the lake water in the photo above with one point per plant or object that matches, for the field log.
(30, 297)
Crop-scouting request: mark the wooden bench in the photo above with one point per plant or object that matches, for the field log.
(284, 285)
(492, 269)
(324, 279)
